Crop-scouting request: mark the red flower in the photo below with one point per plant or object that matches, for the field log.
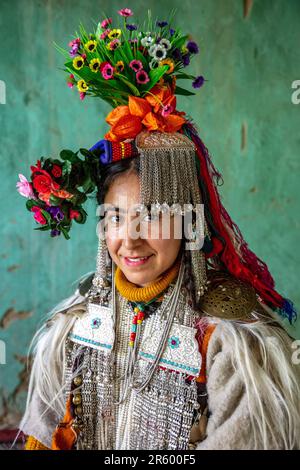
(37, 167)
(44, 183)
(74, 214)
(56, 171)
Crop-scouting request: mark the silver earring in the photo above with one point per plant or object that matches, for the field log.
(101, 284)
(198, 265)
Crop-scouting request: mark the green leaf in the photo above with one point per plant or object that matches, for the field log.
(31, 202)
(55, 201)
(64, 232)
(142, 58)
(43, 229)
(178, 43)
(68, 155)
(47, 216)
(130, 85)
(182, 91)
(83, 215)
(184, 76)
(155, 75)
(127, 49)
(85, 153)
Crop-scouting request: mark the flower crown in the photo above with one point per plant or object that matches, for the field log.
(133, 69)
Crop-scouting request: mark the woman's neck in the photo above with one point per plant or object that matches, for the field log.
(150, 291)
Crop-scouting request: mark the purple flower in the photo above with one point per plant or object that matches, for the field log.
(172, 32)
(131, 27)
(55, 232)
(74, 50)
(161, 24)
(55, 212)
(192, 47)
(198, 82)
(186, 59)
(177, 54)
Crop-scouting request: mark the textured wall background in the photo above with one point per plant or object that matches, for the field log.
(245, 116)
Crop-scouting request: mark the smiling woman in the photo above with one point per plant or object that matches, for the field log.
(175, 341)
(142, 259)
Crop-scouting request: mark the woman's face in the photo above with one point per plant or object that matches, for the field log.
(128, 241)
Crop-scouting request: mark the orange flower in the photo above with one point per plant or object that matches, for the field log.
(127, 121)
(138, 106)
(126, 127)
(116, 114)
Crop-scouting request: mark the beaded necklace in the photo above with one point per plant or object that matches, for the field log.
(141, 297)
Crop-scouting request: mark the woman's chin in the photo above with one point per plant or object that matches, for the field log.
(139, 279)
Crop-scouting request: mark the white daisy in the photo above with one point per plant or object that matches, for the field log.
(165, 43)
(158, 52)
(147, 41)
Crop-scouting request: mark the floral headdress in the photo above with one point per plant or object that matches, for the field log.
(135, 69)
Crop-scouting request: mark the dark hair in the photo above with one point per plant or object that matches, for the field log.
(107, 174)
(105, 177)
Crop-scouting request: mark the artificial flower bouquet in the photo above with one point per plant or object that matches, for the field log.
(134, 69)
(58, 189)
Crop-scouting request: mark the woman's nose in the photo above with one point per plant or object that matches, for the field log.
(131, 234)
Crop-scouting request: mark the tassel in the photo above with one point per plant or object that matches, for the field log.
(235, 255)
(288, 310)
(65, 436)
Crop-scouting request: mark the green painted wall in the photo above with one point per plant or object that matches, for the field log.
(244, 113)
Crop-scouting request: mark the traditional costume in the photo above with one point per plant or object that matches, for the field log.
(198, 359)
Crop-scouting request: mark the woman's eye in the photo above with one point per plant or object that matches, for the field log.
(114, 219)
(150, 217)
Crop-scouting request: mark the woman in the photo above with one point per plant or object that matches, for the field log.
(174, 342)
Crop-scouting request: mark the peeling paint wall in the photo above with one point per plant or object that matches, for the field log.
(250, 56)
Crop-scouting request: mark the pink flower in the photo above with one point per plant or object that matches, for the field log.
(107, 70)
(125, 12)
(75, 42)
(25, 188)
(105, 34)
(105, 23)
(114, 44)
(168, 109)
(82, 95)
(71, 83)
(136, 65)
(142, 77)
(38, 216)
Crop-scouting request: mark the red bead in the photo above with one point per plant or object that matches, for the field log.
(132, 336)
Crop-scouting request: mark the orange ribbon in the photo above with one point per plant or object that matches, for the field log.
(156, 112)
(65, 436)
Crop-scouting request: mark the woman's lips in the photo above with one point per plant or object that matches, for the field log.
(136, 261)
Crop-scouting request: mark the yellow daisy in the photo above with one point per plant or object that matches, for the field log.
(94, 65)
(91, 45)
(168, 62)
(78, 63)
(119, 67)
(114, 34)
(82, 86)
